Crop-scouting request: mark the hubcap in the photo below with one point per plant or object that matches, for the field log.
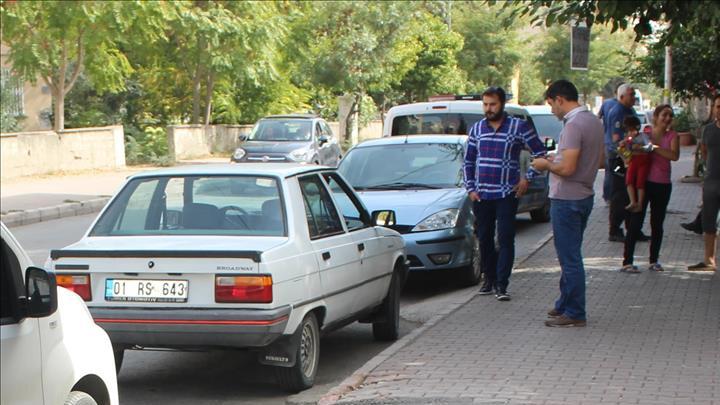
(307, 350)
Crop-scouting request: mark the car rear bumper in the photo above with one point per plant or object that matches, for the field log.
(422, 247)
(192, 327)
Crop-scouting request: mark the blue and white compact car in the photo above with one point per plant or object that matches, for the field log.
(420, 177)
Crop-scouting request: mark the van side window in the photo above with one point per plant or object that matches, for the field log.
(9, 286)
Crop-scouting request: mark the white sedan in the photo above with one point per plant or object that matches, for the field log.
(264, 257)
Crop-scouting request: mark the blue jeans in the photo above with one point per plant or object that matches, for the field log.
(496, 264)
(569, 219)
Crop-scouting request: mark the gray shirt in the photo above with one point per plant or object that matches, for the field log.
(711, 140)
(584, 131)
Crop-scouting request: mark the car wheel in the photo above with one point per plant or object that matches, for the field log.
(541, 214)
(471, 274)
(388, 325)
(119, 353)
(302, 374)
(79, 398)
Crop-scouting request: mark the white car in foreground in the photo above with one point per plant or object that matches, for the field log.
(51, 350)
(264, 257)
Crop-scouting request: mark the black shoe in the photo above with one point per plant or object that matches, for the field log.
(643, 237)
(692, 227)
(617, 237)
(502, 296)
(486, 289)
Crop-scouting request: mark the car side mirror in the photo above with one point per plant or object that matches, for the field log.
(323, 139)
(550, 144)
(40, 293)
(242, 137)
(383, 218)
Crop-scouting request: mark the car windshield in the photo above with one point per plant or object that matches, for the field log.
(434, 124)
(547, 125)
(289, 130)
(404, 166)
(195, 205)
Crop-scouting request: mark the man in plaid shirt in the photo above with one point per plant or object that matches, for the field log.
(494, 184)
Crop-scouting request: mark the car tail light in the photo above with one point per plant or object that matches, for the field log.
(78, 283)
(257, 289)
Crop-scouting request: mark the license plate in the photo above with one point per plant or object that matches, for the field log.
(146, 290)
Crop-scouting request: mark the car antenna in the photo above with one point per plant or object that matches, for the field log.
(407, 138)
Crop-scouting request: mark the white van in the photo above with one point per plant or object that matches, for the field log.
(51, 351)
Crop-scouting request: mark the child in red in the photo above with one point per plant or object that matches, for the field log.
(636, 143)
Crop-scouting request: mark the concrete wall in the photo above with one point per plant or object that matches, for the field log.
(42, 152)
(195, 141)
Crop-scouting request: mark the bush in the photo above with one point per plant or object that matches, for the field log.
(146, 146)
(684, 122)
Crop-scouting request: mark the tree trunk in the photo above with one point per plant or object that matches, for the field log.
(196, 96)
(208, 97)
(58, 96)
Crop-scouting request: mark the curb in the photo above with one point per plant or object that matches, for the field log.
(357, 378)
(33, 216)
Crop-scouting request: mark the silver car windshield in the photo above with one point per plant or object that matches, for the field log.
(290, 130)
(404, 166)
(195, 205)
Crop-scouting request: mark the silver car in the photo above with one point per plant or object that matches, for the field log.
(297, 138)
(421, 178)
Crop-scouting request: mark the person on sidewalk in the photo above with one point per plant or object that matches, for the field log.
(617, 214)
(572, 175)
(637, 162)
(665, 147)
(605, 108)
(710, 148)
(494, 184)
(695, 226)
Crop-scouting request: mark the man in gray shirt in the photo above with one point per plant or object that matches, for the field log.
(710, 149)
(571, 196)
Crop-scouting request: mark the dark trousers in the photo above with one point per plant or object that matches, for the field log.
(618, 200)
(657, 195)
(489, 216)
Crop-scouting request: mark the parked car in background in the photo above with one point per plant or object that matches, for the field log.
(51, 350)
(261, 257)
(421, 177)
(298, 138)
(455, 117)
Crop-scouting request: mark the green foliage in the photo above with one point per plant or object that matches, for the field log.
(620, 14)
(8, 121)
(608, 58)
(695, 64)
(146, 146)
(491, 51)
(684, 121)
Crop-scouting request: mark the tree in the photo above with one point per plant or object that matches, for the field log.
(491, 51)
(696, 64)
(435, 70)
(58, 40)
(346, 49)
(609, 54)
(676, 16)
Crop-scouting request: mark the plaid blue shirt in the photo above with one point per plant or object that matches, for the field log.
(492, 158)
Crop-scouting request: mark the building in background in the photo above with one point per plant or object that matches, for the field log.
(30, 103)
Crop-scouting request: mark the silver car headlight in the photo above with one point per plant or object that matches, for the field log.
(440, 220)
(300, 155)
(239, 153)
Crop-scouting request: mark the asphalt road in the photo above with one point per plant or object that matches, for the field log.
(233, 377)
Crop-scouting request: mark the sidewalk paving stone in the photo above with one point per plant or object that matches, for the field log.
(651, 338)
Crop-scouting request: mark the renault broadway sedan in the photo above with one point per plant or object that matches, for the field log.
(421, 177)
(260, 257)
(300, 138)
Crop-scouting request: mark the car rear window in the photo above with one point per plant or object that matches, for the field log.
(195, 205)
(434, 123)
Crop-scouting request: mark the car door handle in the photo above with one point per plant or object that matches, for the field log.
(361, 247)
(326, 255)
